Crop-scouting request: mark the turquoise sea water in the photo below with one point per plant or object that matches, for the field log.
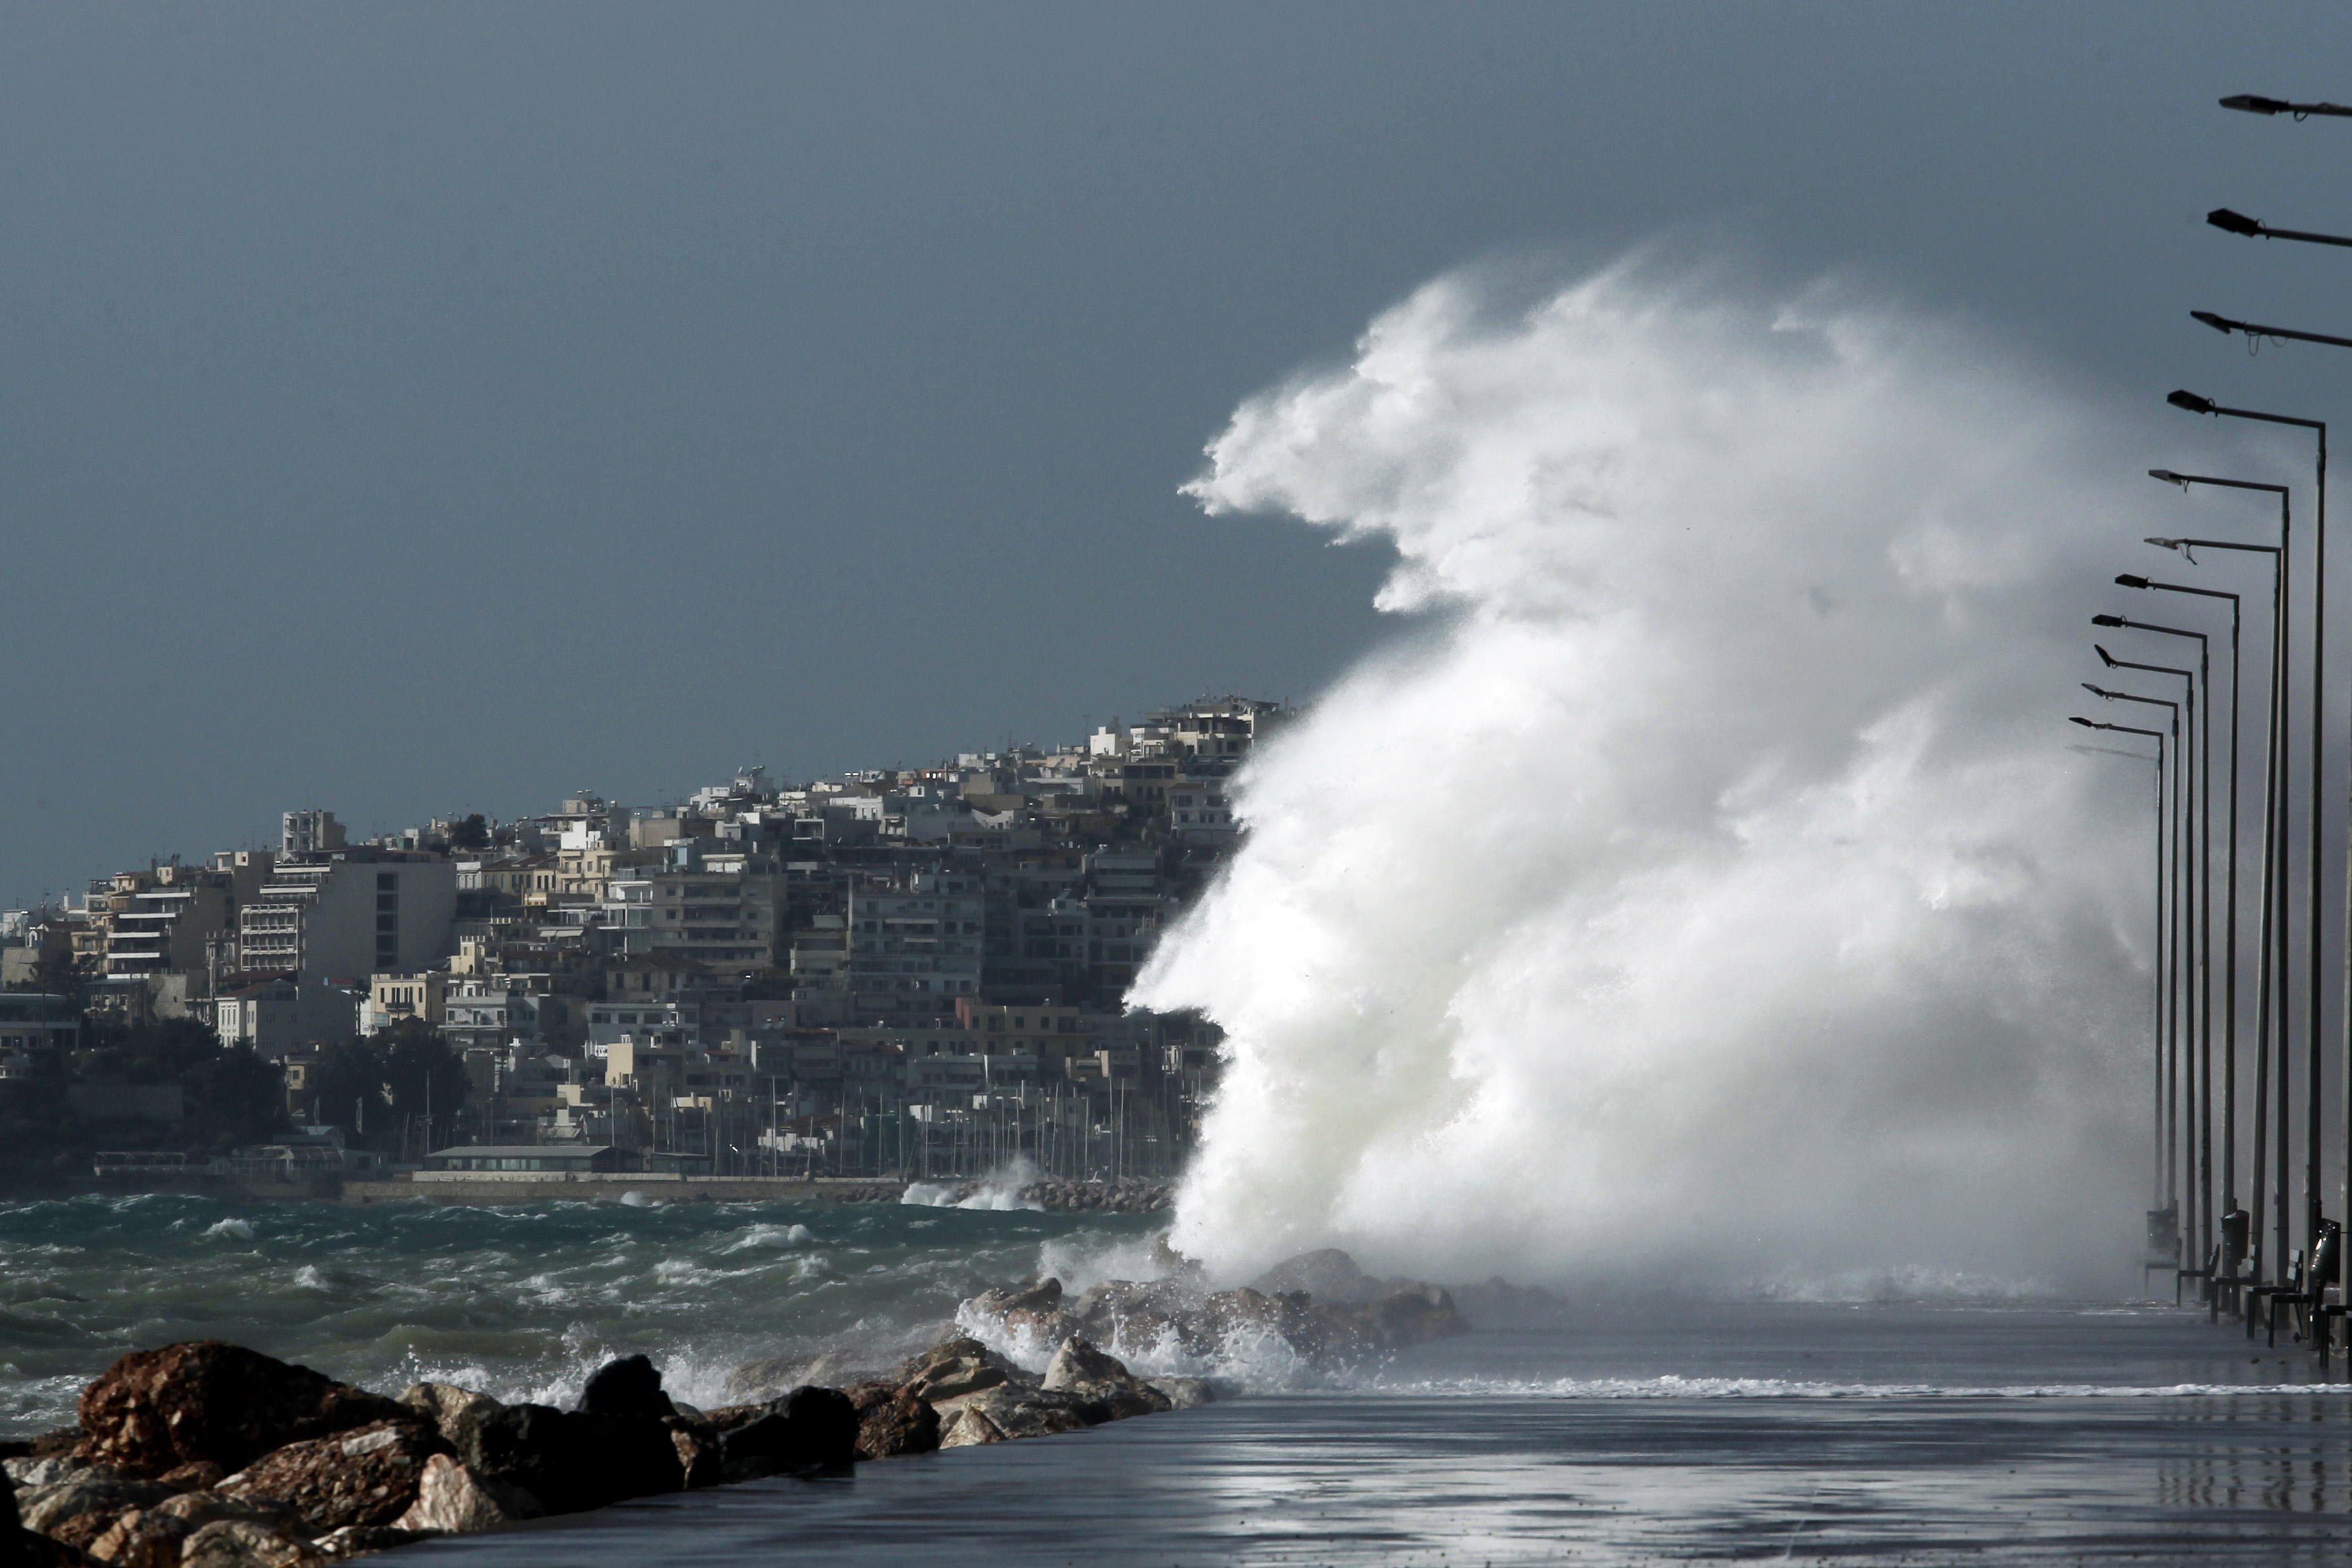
(520, 1302)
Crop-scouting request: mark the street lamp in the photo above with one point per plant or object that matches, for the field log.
(2169, 1212)
(2255, 228)
(2229, 917)
(2197, 405)
(2271, 944)
(2197, 927)
(2225, 325)
(2254, 103)
(2183, 982)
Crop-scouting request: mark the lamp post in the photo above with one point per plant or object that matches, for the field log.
(2180, 980)
(2230, 901)
(2156, 1120)
(2196, 404)
(2270, 944)
(2255, 228)
(2254, 103)
(2197, 1040)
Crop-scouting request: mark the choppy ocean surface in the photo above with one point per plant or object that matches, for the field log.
(522, 1302)
(1888, 1430)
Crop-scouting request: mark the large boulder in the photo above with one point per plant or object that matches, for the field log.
(452, 1410)
(569, 1462)
(1078, 1362)
(893, 1421)
(31, 1472)
(628, 1387)
(365, 1478)
(1327, 1274)
(1011, 1410)
(1032, 1311)
(454, 1498)
(1140, 1313)
(80, 1508)
(153, 1411)
(157, 1537)
(954, 1368)
(807, 1429)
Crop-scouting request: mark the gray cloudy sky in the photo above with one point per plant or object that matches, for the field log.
(418, 408)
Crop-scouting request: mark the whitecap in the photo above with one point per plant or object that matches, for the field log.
(241, 1229)
(772, 1235)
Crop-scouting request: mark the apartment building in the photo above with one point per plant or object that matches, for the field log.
(351, 914)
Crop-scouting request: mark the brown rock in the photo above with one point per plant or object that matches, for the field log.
(80, 1508)
(1034, 1311)
(157, 1537)
(893, 1421)
(726, 1417)
(1079, 1362)
(55, 1445)
(363, 1477)
(697, 1444)
(237, 1544)
(966, 1426)
(453, 1498)
(451, 1409)
(202, 1476)
(1012, 1410)
(153, 1411)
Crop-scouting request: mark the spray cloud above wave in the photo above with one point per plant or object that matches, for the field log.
(1709, 887)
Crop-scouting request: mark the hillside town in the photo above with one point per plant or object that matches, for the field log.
(913, 973)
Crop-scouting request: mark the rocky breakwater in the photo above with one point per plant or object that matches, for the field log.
(206, 1455)
(212, 1455)
(1317, 1309)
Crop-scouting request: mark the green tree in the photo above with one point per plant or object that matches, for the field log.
(237, 1094)
(348, 1076)
(470, 832)
(422, 1075)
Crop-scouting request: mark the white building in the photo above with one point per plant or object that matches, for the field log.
(276, 1016)
(351, 915)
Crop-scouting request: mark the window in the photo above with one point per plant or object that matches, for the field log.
(387, 881)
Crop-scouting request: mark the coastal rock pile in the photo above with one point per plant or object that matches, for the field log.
(1351, 1316)
(1060, 1196)
(207, 1455)
(1115, 1197)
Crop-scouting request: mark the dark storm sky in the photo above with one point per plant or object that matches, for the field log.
(407, 409)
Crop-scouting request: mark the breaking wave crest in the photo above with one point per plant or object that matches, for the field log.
(1707, 888)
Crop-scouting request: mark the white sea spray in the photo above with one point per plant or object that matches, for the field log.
(1707, 890)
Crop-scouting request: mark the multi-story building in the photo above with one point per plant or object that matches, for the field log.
(170, 918)
(422, 994)
(282, 1014)
(724, 921)
(351, 914)
(310, 833)
(917, 947)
